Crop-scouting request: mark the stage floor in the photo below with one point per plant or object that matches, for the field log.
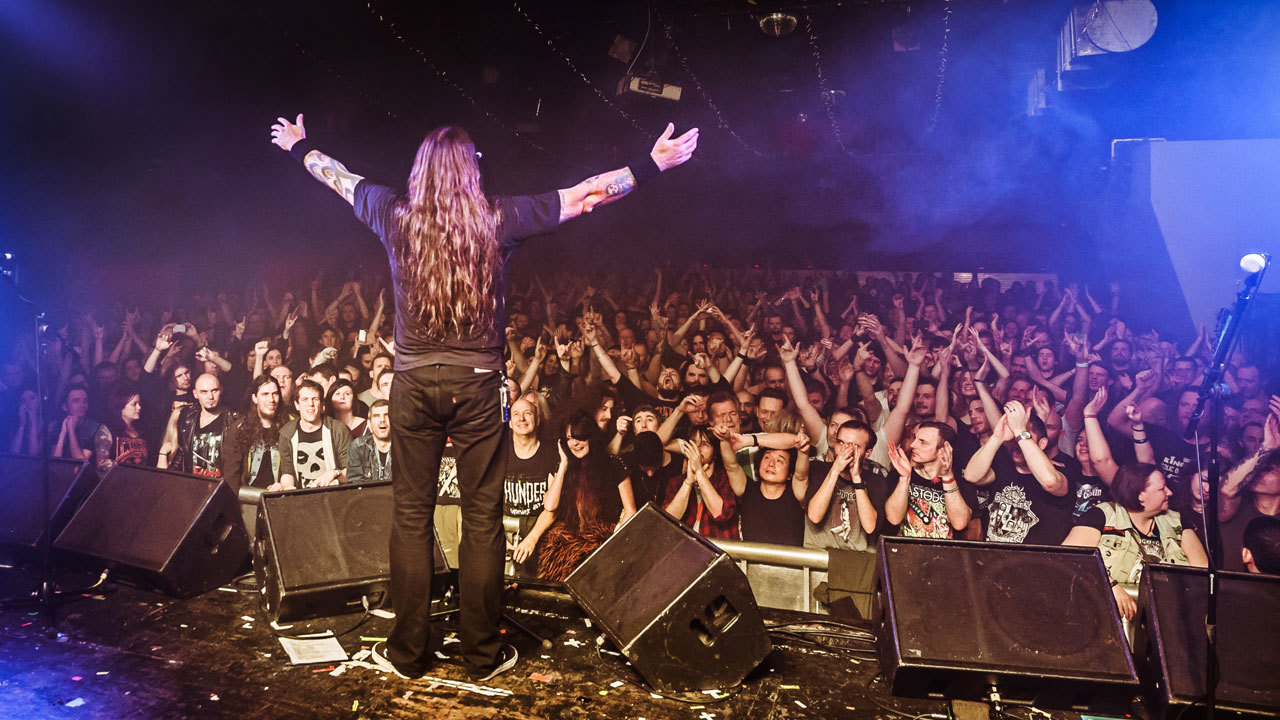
(126, 653)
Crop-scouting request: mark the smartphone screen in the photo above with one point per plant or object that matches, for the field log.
(364, 335)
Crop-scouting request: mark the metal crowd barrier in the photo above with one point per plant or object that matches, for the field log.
(781, 576)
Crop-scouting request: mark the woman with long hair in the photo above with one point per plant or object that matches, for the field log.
(1135, 529)
(449, 247)
(118, 441)
(589, 497)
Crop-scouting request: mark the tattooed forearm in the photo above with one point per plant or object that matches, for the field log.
(332, 173)
(615, 185)
(596, 190)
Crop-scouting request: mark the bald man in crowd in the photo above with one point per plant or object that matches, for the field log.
(193, 442)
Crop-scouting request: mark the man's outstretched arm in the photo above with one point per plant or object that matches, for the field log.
(607, 187)
(327, 170)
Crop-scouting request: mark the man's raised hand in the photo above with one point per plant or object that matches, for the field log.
(667, 152)
(284, 133)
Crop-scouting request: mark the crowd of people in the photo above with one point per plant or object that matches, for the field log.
(822, 409)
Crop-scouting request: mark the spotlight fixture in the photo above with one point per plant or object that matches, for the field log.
(777, 24)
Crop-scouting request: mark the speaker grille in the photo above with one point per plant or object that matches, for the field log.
(160, 508)
(1248, 630)
(632, 585)
(332, 534)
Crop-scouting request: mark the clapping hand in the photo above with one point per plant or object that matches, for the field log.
(898, 458)
(1017, 416)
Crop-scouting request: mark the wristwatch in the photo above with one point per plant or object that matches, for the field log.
(1024, 435)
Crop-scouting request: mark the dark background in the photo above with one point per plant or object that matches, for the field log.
(137, 155)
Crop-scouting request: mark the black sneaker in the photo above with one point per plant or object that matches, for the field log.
(507, 658)
(378, 655)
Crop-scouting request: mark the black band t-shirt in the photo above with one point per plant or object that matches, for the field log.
(526, 480)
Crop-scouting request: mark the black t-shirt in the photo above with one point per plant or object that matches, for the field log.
(265, 476)
(842, 514)
(526, 480)
(927, 505)
(650, 488)
(520, 217)
(206, 448)
(1176, 459)
(779, 521)
(1021, 511)
(309, 460)
(966, 446)
(1086, 490)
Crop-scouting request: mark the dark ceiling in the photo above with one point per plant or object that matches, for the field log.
(137, 130)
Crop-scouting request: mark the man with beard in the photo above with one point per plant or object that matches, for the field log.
(251, 451)
(195, 440)
(669, 389)
(369, 456)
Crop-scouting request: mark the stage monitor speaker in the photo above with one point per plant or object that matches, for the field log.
(172, 532)
(323, 551)
(1169, 642)
(20, 506)
(1038, 624)
(676, 605)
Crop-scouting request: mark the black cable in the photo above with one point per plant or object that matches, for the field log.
(865, 654)
(368, 612)
(239, 582)
(11, 603)
(318, 636)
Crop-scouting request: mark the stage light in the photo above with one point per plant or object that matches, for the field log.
(1253, 262)
(777, 24)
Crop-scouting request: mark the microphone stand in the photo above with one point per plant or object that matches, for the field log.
(1214, 389)
(46, 593)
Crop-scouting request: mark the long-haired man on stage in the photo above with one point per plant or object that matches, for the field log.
(449, 247)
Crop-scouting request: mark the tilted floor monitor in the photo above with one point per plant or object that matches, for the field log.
(1038, 624)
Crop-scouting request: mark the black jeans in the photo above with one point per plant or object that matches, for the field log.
(428, 405)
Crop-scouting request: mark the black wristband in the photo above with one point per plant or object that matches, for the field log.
(643, 169)
(859, 486)
(301, 148)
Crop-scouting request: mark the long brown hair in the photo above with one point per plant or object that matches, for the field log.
(446, 245)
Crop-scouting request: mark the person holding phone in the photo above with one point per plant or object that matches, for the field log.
(449, 247)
